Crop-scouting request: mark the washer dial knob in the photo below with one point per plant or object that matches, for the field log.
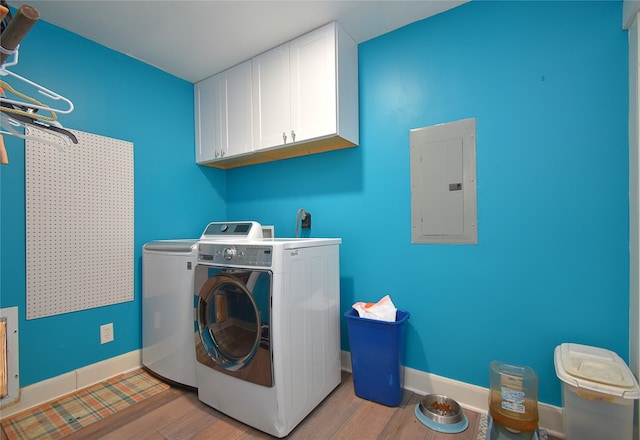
(228, 253)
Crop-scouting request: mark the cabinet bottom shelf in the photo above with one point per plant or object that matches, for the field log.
(282, 152)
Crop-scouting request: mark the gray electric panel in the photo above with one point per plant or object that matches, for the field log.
(443, 183)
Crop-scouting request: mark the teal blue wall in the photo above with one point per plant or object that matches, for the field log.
(118, 97)
(547, 84)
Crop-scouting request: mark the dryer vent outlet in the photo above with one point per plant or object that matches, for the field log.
(306, 221)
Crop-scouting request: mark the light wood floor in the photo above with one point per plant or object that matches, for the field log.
(177, 414)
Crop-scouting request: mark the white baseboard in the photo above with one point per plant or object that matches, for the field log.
(469, 396)
(46, 390)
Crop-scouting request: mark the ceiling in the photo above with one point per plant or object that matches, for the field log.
(195, 39)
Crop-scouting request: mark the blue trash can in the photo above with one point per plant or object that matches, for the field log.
(377, 354)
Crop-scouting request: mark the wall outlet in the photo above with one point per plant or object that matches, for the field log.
(306, 221)
(106, 333)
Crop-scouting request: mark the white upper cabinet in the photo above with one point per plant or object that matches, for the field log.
(208, 112)
(298, 98)
(237, 129)
(313, 84)
(295, 90)
(271, 98)
(223, 114)
(294, 86)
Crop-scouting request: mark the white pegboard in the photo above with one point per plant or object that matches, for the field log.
(79, 224)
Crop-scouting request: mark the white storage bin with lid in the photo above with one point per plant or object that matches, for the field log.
(598, 392)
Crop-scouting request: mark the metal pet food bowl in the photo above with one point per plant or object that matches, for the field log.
(441, 413)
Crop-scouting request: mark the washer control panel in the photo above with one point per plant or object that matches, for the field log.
(236, 254)
(242, 230)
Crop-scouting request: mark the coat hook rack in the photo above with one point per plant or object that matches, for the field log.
(22, 114)
(12, 35)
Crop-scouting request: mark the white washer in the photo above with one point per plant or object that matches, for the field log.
(268, 326)
(167, 309)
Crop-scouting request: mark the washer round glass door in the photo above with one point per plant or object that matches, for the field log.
(233, 322)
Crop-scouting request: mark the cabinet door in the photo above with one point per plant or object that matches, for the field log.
(271, 98)
(313, 84)
(236, 84)
(208, 114)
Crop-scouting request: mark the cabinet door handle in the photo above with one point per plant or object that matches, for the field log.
(293, 136)
(217, 154)
(221, 153)
(284, 137)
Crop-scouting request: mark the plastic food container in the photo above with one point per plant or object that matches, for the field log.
(598, 390)
(513, 402)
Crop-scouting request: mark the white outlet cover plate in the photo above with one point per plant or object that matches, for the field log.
(106, 333)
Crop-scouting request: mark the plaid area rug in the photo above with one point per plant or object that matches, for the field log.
(68, 414)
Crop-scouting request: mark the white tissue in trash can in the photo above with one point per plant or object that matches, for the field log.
(383, 310)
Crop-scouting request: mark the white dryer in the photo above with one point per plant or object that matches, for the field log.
(268, 325)
(167, 309)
